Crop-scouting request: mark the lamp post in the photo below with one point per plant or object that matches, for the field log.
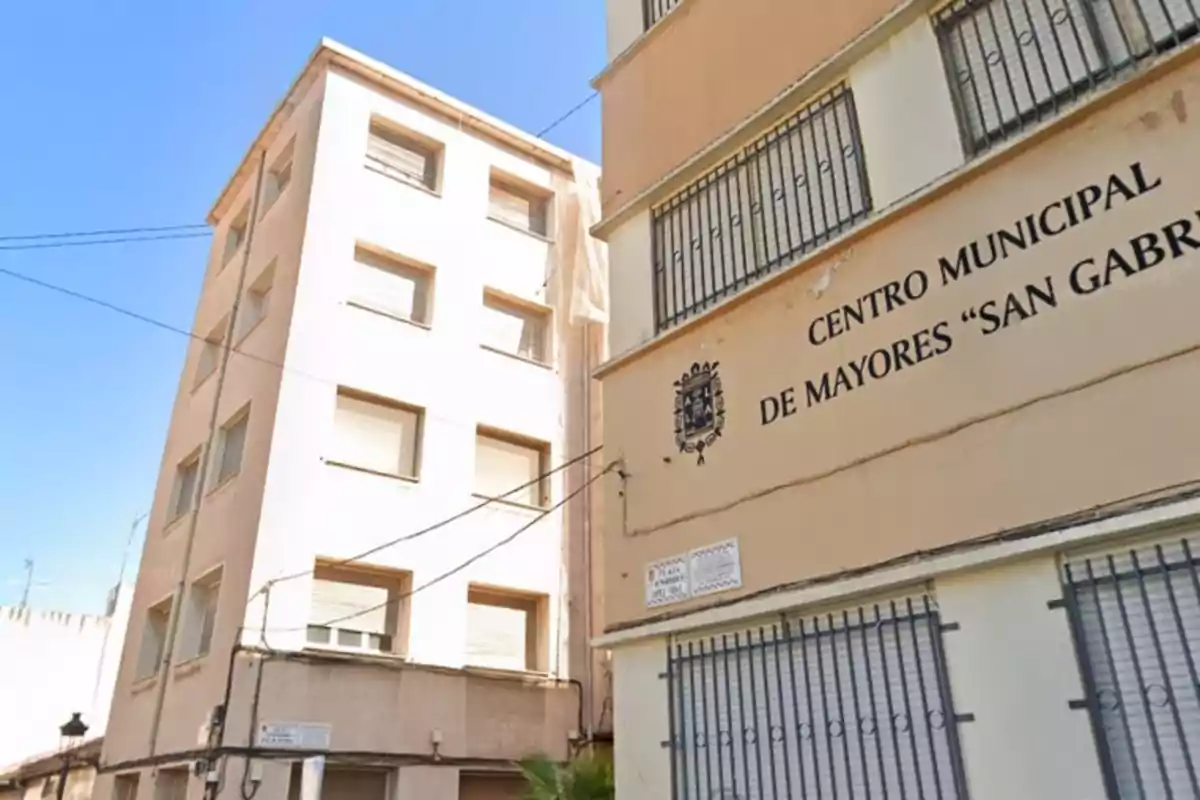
(72, 734)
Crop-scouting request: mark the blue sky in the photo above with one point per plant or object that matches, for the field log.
(126, 114)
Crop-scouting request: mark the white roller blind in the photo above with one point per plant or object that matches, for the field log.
(362, 606)
(386, 285)
(501, 466)
(513, 329)
(522, 209)
(496, 636)
(1138, 613)
(402, 156)
(233, 443)
(375, 436)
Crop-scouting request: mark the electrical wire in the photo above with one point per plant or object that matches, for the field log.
(106, 232)
(460, 567)
(92, 242)
(576, 109)
(443, 523)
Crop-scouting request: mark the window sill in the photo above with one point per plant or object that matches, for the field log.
(544, 365)
(348, 652)
(171, 524)
(141, 685)
(388, 314)
(539, 236)
(378, 170)
(511, 503)
(190, 666)
(367, 470)
(228, 479)
(504, 672)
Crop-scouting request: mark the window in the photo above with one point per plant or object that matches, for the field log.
(654, 10)
(376, 435)
(1013, 62)
(125, 787)
(856, 698)
(200, 616)
(154, 637)
(402, 156)
(230, 445)
(359, 608)
(278, 178)
(171, 784)
(236, 235)
(784, 195)
(50, 786)
(522, 207)
(503, 463)
(391, 286)
(516, 328)
(258, 301)
(504, 630)
(183, 493)
(1135, 615)
(210, 352)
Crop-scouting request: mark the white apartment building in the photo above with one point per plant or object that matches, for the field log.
(398, 322)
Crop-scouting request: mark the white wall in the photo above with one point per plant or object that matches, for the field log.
(905, 113)
(1012, 665)
(642, 765)
(313, 509)
(625, 24)
(51, 665)
(630, 283)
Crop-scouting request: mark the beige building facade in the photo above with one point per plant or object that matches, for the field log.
(371, 534)
(903, 395)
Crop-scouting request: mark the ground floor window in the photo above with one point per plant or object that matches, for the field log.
(848, 704)
(1135, 615)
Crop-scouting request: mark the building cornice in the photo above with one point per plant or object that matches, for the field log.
(331, 54)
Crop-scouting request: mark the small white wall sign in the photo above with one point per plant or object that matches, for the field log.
(667, 581)
(715, 568)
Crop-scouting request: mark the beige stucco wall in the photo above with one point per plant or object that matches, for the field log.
(1042, 418)
(712, 65)
(53, 664)
(1011, 668)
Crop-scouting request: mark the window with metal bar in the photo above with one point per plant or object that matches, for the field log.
(654, 10)
(851, 704)
(786, 194)
(1135, 615)
(1013, 63)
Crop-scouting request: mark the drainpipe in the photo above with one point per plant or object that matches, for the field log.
(590, 660)
(164, 669)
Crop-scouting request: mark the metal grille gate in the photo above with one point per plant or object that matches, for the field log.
(1135, 616)
(849, 705)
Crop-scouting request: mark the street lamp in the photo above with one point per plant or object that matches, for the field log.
(72, 734)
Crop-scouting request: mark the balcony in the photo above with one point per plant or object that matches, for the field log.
(385, 705)
(654, 10)
(786, 194)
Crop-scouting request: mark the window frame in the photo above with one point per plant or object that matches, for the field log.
(535, 606)
(398, 135)
(239, 417)
(284, 163)
(496, 300)
(210, 348)
(370, 398)
(544, 487)
(525, 190)
(423, 276)
(191, 460)
(235, 235)
(195, 646)
(398, 617)
(163, 607)
(262, 287)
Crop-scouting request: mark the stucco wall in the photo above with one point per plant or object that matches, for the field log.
(53, 664)
(711, 66)
(1011, 669)
(1083, 403)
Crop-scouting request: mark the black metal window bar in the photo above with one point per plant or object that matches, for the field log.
(1135, 616)
(789, 192)
(1013, 63)
(851, 705)
(654, 10)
